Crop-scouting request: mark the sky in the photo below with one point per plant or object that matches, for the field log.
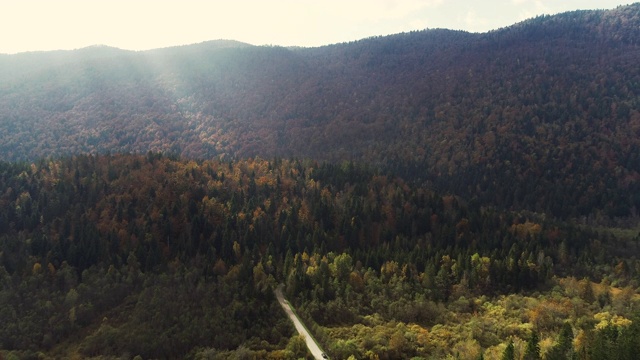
(40, 25)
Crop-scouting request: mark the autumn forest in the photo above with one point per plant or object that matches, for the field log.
(429, 195)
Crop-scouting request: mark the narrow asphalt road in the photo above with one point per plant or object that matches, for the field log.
(311, 343)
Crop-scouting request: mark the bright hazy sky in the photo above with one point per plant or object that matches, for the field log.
(31, 25)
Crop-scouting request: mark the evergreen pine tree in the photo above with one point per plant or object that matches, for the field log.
(509, 352)
(563, 350)
(532, 351)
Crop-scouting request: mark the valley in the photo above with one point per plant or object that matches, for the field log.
(428, 195)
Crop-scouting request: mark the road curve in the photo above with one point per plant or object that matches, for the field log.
(311, 343)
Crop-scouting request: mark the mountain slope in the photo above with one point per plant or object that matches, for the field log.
(542, 115)
(163, 258)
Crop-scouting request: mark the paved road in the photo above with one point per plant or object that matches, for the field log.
(311, 343)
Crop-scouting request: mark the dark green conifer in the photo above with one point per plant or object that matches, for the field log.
(509, 352)
(532, 351)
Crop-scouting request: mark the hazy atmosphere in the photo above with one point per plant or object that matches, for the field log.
(139, 25)
(387, 180)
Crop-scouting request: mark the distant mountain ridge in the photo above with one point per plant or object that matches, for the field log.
(542, 115)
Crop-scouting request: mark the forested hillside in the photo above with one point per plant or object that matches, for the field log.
(126, 255)
(429, 195)
(542, 115)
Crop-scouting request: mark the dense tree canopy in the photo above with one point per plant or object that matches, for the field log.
(541, 115)
(431, 195)
(106, 246)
